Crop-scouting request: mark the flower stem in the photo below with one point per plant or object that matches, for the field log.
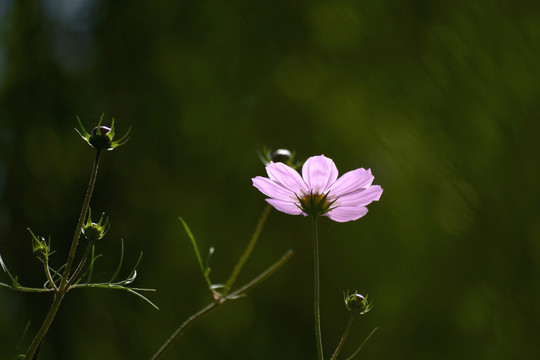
(63, 288)
(247, 251)
(48, 274)
(345, 334)
(79, 268)
(317, 310)
(217, 304)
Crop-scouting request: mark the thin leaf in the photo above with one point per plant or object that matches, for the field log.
(133, 273)
(117, 271)
(4, 267)
(210, 253)
(25, 331)
(217, 286)
(91, 265)
(57, 274)
(131, 278)
(142, 297)
(194, 243)
(361, 345)
(205, 272)
(134, 291)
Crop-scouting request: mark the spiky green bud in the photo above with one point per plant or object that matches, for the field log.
(102, 137)
(94, 231)
(40, 247)
(357, 302)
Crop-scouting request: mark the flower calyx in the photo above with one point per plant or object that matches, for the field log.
(94, 231)
(357, 302)
(315, 204)
(102, 137)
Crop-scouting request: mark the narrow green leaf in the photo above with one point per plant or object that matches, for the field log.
(82, 132)
(115, 275)
(133, 273)
(134, 291)
(204, 271)
(130, 279)
(361, 345)
(142, 297)
(91, 265)
(210, 253)
(4, 267)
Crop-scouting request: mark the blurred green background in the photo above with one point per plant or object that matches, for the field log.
(439, 99)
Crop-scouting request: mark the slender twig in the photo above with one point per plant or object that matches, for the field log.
(63, 288)
(221, 301)
(345, 334)
(316, 301)
(247, 251)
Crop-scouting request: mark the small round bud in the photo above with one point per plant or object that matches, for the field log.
(101, 137)
(100, 140)
(40, 249)
(357, 302)
(94, 231)
(281, 155)
(91, 233)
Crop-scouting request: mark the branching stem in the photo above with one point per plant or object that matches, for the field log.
(221, 301)
(64, 285)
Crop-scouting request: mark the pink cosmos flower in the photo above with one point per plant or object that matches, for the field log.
(319, 191)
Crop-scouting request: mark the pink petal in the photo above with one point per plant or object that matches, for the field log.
(351, 181)
(285, 206)
(319, 173)
(361, 197)
(287, 177)
(347, 213)
(272, 189)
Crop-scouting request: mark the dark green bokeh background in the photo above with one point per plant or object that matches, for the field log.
(439, 99)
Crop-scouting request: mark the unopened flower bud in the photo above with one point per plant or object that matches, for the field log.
(95, 231)
(101, 137)
(357, 302)
(281, 155)
(40, 248)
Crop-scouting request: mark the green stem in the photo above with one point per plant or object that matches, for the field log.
(81, 264)
(63, 288)
(27, 289)
(247, 251)
(317, 310)
(221, 301)
(345, 334)
(48, 274)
